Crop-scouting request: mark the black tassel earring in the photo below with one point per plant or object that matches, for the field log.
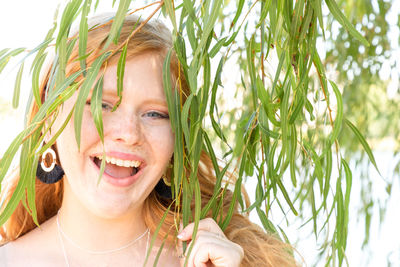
(163, 188)
(51, 174)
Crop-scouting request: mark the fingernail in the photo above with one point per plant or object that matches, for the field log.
(181, 235)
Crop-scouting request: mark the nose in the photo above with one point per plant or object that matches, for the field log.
(125, 129)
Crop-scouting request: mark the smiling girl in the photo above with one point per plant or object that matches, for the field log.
(86, 222)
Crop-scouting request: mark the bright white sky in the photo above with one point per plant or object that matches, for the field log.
(24, 23)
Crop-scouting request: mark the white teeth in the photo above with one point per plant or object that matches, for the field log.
(121, 162)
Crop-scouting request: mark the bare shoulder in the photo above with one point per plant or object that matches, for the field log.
(28, 249)
(3, 256)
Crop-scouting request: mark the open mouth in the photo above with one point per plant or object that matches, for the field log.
(118, 168)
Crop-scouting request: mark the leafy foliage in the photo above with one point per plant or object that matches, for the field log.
(285, 130)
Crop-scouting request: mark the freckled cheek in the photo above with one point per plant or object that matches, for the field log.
(89, 133)
(162, 139)
(89, 130)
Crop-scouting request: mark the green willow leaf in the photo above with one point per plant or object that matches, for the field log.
(119, 18)
(62, 60)
(349, 181)
(120, 75)
(17, 88)
(102, 166)
(278, 71)
(217, 82)
(169, 6)
(185, 118)
(318, 170)
(305, 24)
(190, 9)
(363, 142)
(160, 250)
(6, 58)
(297, 13)
(191, 34)
(155, 235)
(264, 12)
(208, 25)
(197, 217)
(31, 196)
(96, 107)
(84, 92)
(40, 47)
(232, 38)
(83, 33)
(14, 200)
(267, 224)
(35, 79)
(334, 9)
(56, 135)
(168, 87)
(47, 106)
(63, 96)
(67, 19)
(217, 47)
(3, 51)
(292, 154)
(297, 110)
(5, 162)
(339, 113)
(317, 6)
(328, 171)
(287, 198)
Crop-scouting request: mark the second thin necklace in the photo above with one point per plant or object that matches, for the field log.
(62, 234)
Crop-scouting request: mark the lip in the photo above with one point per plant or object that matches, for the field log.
(116, 181)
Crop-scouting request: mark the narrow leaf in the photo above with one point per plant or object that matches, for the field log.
(96, 107)
(84, 92)
(363, 142)
(339, 16)
(17, 88)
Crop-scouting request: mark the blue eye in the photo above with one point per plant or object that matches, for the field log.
(105, 106)
(155, 114)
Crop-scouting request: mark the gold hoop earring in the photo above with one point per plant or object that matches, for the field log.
(165, 179)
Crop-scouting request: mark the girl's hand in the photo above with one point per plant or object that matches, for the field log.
(211, 247)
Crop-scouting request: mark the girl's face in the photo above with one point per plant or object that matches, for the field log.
(138, 142)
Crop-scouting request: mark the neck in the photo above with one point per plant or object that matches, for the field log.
(97, 233)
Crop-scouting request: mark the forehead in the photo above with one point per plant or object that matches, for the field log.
(141, 72)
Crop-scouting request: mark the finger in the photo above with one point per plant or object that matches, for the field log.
(207, 225)
(209, 249)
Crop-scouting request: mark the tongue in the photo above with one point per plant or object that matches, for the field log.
(116, 171)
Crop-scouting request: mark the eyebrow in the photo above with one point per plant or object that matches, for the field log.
(152, 100)
(157, 101)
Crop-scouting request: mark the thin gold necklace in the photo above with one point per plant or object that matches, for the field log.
(61, 233)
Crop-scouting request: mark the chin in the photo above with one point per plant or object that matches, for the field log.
(107, 211)
(112, 206)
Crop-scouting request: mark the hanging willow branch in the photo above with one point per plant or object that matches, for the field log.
(274, 134)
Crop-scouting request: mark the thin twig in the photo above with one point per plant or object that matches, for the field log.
(139, 27)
